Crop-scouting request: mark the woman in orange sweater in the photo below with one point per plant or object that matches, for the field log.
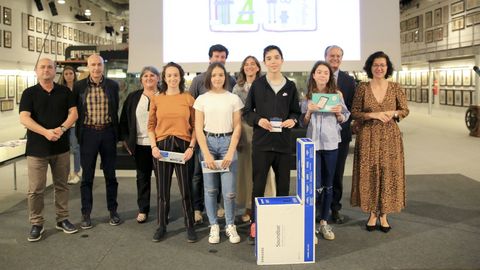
(171, 128)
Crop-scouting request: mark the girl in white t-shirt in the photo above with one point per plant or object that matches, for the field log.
(218, 126)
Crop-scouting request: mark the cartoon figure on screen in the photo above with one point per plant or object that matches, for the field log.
(324, 130)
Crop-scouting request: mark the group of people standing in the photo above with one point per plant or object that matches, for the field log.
(210, 126)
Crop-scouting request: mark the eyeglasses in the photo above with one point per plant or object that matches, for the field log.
(379, 66)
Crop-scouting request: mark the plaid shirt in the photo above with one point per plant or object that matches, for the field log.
(97, 105)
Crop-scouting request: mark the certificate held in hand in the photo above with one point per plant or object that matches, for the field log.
(325, 101)
(173, 157)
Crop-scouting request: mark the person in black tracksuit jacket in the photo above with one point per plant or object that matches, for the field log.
(271, 97)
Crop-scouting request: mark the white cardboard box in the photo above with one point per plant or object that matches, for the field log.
(286, 225)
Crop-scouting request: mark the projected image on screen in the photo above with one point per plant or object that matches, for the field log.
(269, 15)
(301, 28)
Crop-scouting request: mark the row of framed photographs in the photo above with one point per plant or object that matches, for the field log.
(12, 86)
(458, 77)
(39, 25)
(6, 15)
(451, 97)
(50, 46)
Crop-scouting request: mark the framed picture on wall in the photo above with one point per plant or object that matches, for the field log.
(46, 26)
(407, 78)
(458, 98)
(429, 36)
(59, 30)
(449, 77)
(467, 98)
(12, 84)
(438, 34)
(457, 7)
(53, 47)
(443, 97)
(413, 79)
(53, 29)
(407, 93)
(467, 79)
(3, 86)
(70, 33)
(450, 97)
(413, 94)
(46, 48)
(428, 19)
(31, 43)
(7, 39)
(6, 105)
(458, 77)
(21, 85)
(39, 44)
(39, 24)
(424, 78)
(59, 48)
(24, 30)
(458, 23)
(75, 35)
(443, 77)
(471, 4)
(403, 26)
(437, 16)
(7, 16)
(401, 77)
(65, 32)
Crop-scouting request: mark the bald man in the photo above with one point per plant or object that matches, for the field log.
(97, 133)
(47, 110)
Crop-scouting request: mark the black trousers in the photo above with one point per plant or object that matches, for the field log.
(163, 173)
(338, 176)
(96, 142)
(261, 163)
(144, 167)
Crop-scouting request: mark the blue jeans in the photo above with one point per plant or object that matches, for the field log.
(326, 161)
(74, 149)
(218, 147)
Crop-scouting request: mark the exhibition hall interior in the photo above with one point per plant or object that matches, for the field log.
(434, 46)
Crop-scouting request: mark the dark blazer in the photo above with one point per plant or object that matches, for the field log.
(128, 120)
(80, 90)
(346, 84)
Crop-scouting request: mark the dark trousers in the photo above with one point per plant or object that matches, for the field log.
(197, 182)
(93, 143)
(261, 163)
(163, 174)
(338, 177)
(144, 166)
(325, 169)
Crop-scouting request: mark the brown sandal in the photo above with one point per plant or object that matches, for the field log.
(142, 217)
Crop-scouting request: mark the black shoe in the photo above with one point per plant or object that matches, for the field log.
(114, 218)
(385, 229)
(191, 235)
(337, 218)
(159, 234)
(35, 233)
(86, 222)
(66, 226)
(371, 228)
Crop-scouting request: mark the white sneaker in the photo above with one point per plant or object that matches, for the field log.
(327, 232)
(73, 179)
(220, 211)
(214, 237)
(198, 217)
(231, 232)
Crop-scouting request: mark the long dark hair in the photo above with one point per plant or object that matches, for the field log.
(163, 83)
(242, 77)
(62, 81)
(208, 75)
(312, 85)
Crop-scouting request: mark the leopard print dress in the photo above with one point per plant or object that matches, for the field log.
(378, 181)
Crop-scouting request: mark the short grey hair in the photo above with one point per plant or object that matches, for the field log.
(332, 47)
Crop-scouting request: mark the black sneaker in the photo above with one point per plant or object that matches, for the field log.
(35, 233)
(159, 234)
(66, 226)
(86, 222)
(191, 235)
(337, 218)
(114, 218)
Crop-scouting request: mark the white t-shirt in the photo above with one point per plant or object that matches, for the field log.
(218, 110)
(142, 120)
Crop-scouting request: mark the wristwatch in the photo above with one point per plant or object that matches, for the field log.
(395, 115)
(64, 129)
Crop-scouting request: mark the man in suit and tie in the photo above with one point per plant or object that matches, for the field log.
(346, 84)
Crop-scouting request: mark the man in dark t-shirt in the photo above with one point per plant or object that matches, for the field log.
(47, 110)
